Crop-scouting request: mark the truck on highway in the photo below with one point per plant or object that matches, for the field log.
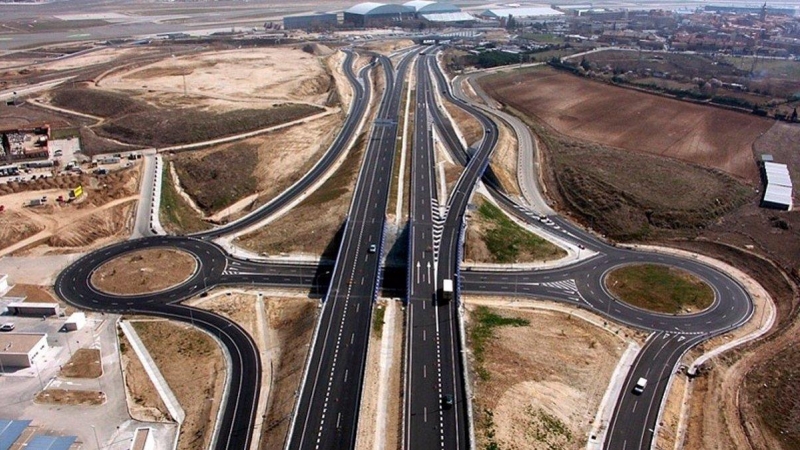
(447, 290)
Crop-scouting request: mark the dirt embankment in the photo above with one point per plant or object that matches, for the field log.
(470, 127)
(540, 379)
(282, 339)
(635, 196)
(202, 97)
(315, 225)
(263, 166)
(100, 216)
(144, 403)
(389, 46)
(194, 367)
(228, 80)
(293, 320)
(504, 160)
(344, 90)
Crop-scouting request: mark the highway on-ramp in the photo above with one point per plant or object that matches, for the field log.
(328, 403)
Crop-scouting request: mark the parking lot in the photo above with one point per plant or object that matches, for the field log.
(111, 421)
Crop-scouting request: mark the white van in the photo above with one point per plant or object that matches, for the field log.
(640, 385)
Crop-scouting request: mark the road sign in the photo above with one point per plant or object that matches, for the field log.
(75, 193)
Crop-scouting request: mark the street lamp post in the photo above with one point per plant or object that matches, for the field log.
(96, 441)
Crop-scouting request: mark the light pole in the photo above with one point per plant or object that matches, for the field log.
(96, 441)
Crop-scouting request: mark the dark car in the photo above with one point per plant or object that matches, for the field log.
(447, 401)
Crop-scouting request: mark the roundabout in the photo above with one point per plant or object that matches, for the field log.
(581, 284)
(660, 289)
(75, 284)
(148, 271)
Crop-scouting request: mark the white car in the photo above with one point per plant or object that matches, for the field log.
(7, 326)
(640, 385)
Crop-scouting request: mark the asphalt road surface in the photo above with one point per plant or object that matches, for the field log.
(583, 284)
(432, 368)
(330, 398)
(327, 412)
(234, 429)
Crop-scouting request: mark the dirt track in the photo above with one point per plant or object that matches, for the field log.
(634, 121)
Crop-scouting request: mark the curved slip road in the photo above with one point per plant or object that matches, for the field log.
(579, 284)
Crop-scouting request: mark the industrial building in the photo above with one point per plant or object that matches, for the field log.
(33, 309)
(371, 14)
(21, 144)
(3, 284)
(13, 435)
(420, 7)
(75, 321)
(311, 22)
(521, 13)
(450, 18)
(778, 192)
(20, 349)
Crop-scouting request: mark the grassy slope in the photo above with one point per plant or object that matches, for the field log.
(507, 242)
(176, 216)
(174, 127)
(481, 331)
(655, 196)
(660, 288)
(221, 178)
(313, 225)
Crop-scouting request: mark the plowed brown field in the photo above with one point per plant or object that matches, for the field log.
(634, 121)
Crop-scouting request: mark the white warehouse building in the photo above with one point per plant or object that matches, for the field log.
(427, 7)
(19, 349)
(778, 193)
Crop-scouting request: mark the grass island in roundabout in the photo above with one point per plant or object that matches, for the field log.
(144, 271)
(659, 288)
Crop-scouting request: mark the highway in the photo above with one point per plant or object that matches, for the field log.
(215, 267)
(432, 370)
(583, 285)
(330, 397)
(327, 411)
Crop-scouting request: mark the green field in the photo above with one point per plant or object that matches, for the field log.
(175, 214)
(660, 288)
(507, 242)
(483, 322)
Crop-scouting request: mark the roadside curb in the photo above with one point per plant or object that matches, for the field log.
(164, 391)
(155, 205)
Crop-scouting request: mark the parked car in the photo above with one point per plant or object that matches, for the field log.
(7, 326)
